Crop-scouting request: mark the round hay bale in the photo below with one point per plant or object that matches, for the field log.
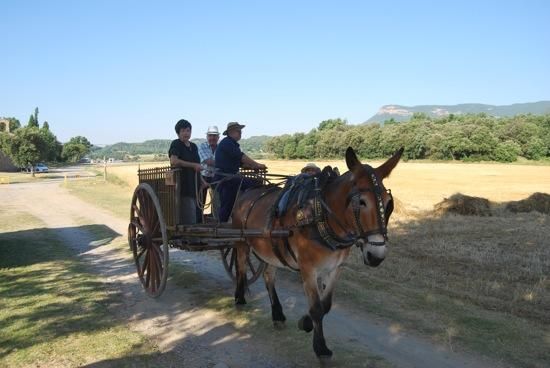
(461, 204)
(398, 207)
(535, 202)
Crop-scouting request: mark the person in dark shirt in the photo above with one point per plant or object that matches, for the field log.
(184, 154)
(229, 158)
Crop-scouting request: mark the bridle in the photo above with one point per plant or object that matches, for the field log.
(382, 214)
(359, 237)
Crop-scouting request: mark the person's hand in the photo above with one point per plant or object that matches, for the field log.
(197, 167)
(204, 184)
(261, 167)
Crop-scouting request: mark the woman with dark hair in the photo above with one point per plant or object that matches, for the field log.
(184, 154)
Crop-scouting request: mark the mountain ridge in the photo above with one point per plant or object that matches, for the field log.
(403, 113)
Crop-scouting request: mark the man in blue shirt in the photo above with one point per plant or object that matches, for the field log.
(229, 158)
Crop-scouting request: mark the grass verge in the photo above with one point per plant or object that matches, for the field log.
(104, 194)
(53, 312)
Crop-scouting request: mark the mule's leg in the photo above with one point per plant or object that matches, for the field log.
(277, 315)
(329, 282)
(305, 323)
(242, 255)
(315, 312)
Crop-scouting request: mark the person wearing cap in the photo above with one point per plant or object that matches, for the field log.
(184, 154)
(207, 151)
(228, 159)
(311, 169)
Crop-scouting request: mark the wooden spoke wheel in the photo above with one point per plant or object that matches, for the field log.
(148, 240)
(254, 266)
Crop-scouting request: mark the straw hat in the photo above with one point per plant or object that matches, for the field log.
(233, 125)
(310, 166)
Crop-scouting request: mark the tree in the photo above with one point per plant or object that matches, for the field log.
(332, 123)
(14, 124)
(506, 151)
(534, 149)
(32, 122)
(53, 146)
(26, 147)
(72, 152)
(46, 126)
(76, 148)
(81, 140)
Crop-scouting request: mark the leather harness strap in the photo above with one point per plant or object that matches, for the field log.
(269, 227)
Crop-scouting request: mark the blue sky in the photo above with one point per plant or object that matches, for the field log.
(128, 70)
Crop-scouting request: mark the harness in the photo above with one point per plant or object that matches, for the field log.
(270, 216)
(318, 221)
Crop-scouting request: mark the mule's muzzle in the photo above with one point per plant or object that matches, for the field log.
(373, 250)
(372, 260)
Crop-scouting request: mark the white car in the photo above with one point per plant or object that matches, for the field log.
(41, 168)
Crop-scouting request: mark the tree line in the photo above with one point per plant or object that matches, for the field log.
(159, 148)
(478, 137)
(30, 144)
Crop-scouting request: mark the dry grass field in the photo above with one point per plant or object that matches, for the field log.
(419, 186)
(480, 282)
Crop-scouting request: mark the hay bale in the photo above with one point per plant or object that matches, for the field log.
(461, 204)
(398, 207)
(535, 202)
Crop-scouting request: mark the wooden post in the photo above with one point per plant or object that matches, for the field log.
(104, 169)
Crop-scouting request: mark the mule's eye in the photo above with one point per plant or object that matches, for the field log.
(362, 203)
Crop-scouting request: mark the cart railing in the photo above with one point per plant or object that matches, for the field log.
(167, 185)
(164, 181)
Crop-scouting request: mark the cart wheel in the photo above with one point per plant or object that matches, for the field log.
(148, 240)
(255, 266)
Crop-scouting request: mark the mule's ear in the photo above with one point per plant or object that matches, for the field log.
(386, 168)
(351, 159)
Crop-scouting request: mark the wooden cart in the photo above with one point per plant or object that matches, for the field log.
(155, 226)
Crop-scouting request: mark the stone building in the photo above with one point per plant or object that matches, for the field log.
(6, 163)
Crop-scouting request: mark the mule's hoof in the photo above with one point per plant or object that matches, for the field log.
(324, 354)
(305, 324)
(240, 301)
(279, 325)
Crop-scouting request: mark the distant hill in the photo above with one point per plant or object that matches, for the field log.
(160, 146)
(403, 113)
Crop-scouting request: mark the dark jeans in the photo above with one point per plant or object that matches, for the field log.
(228, 193)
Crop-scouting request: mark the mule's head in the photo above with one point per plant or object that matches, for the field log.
(370, 205)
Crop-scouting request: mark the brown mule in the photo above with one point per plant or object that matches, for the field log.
(351, 209)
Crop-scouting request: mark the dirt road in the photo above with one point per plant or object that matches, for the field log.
(208, 337)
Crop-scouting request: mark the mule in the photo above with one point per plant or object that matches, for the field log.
(345, 210)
